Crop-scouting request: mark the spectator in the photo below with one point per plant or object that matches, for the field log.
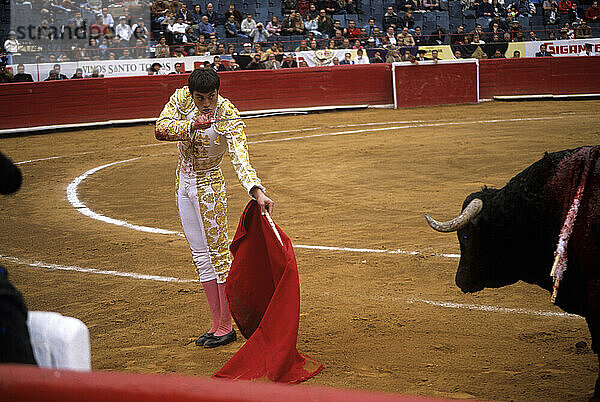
(352, 8)
(371, 43)
(565, 9)
(405, 38)
(196, 15)
(312, 27)
(78, 74)
(330, 6)
(485, 10)
(256, 63)
(247, 48)
(421, 55)
(360, 57)
(408, 56)
(213, 44)
(347, 59)
(592, 14)
(162, 49)
(205, 27)
(543, 52)
(390, 18)
(96, 73)
(140, 51)
(420, 40)
(21, 75)
(274, 27)
(583, 30)
(458, 54)
(563, 34)
(11, 45)
(107, 19)
(370, 27)
(213, 18)
(552, 16)
(586, 52)
(352, 32)
(570, 31)
(232, 28)
(167, 21)
(313, 11)
(185, 14)
(532, 36)
(551, 35)
(233, 66)
(217, 65)
(393, 56)
(52, 76)
(287, 6)
(293, 25)
(123, 30)
(498, 8)
(179, 68)
(314, 45)
(335, 61)
(477, 40)
(346, 44)
(407, 20)
(126, 54)
(431, 5)
(390, 36)
(405, 5)
(498, 55)
(377, 58)
(98, 28)
(237, 15)
(272, 63)
(330, 44)
(258, 50)
(140, 32)
(435, 56)
(325, 23)
(289, 62)
(516, 54)
(59, 75)
(248, 25)
(259, 34)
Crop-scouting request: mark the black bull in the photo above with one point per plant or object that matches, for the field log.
(510, 234)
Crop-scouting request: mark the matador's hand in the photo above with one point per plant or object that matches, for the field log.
(264, 202)
(202, 122)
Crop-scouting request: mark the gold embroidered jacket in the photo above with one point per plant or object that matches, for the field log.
(205, 148)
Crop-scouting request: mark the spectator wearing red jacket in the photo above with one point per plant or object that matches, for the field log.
(565, 8)
(352, 31)
(592, 14)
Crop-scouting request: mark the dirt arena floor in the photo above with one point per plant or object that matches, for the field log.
(385, 321)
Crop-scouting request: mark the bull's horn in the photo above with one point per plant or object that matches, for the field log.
(460, 221)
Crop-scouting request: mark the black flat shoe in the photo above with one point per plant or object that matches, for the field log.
(215, 341)
(202, 340)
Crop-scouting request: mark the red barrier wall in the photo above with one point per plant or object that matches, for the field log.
(28, 383)
(539, 76)
(436, 84)
(123, 98)
(91, 100)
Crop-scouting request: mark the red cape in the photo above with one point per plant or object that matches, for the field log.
(263, 291)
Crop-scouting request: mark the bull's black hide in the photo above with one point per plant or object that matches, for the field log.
(515, 234)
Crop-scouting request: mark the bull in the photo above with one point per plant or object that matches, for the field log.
(510, 234)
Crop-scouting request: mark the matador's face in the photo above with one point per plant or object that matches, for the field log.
(206, 102)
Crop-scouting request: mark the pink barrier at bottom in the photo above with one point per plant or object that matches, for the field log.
(27, 384)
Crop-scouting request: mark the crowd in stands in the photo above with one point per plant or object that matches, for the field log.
(174, 28)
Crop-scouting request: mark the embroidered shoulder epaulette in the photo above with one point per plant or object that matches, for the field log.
(226, 110)
(185, 103)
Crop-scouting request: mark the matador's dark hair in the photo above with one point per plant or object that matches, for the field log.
(203, 80)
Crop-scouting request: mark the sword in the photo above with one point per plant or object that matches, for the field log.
(254, 116)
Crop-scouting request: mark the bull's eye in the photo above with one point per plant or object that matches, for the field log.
(465, 237)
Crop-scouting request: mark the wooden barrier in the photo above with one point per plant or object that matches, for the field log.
(124, 98)
(31, 384)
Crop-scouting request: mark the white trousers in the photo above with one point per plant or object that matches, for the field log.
(191, 220)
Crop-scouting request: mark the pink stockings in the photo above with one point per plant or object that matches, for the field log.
(219, 308)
